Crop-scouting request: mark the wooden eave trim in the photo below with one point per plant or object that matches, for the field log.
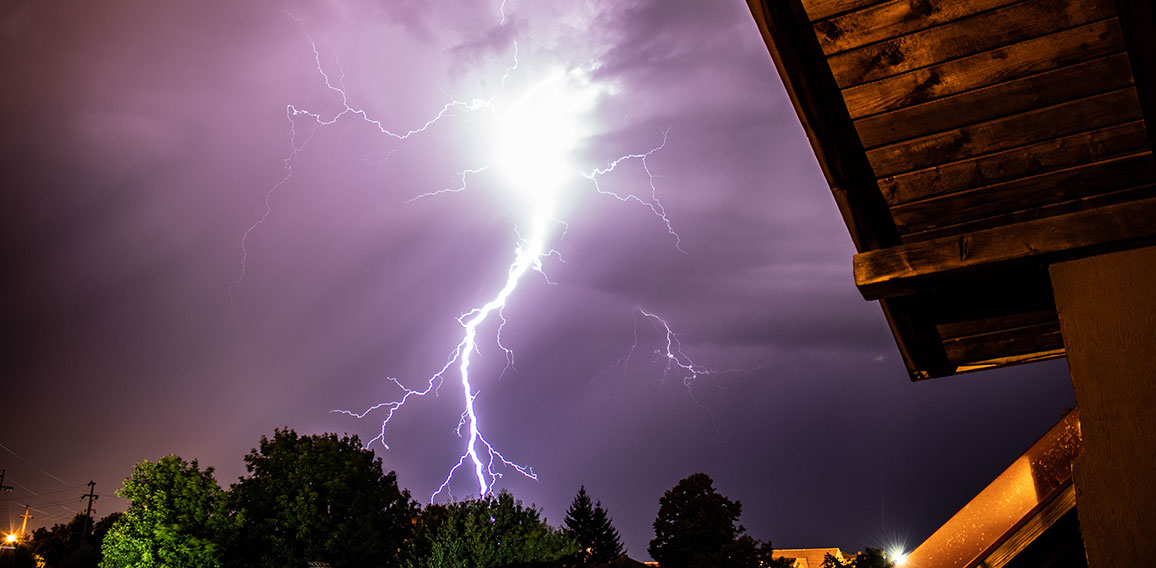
(795, 49)
(917, 338)
(911, 268)
(819, 104)
(1138, 27)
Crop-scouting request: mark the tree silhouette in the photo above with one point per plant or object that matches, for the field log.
(598, 541)
(696, 526)
(869, 558)
(318, 498)
(485, 532)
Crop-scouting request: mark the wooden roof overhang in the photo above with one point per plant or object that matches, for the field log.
(969, 144)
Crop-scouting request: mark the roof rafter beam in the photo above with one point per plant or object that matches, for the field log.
(914, 267)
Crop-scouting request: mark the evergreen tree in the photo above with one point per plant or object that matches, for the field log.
(589, 525)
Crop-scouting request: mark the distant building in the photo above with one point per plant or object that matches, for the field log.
(625, 561)
(808, 557)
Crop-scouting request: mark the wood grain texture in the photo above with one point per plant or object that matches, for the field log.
(968, 36)
(1040, 212)
(893, 19)
(1045, 89)
(1002, 343)
(1080, 181)
(819, 9)
(1045, 240)
(1017, 162)
(1036, 55)
(1081, 115)
(984, 325)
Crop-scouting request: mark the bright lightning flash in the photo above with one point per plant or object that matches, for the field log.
(533, 138)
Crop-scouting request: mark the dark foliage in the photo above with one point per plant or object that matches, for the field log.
(696, 527)
(488, 532)
(69, 545)
(598, 541)
(869, 558)
(318, 498)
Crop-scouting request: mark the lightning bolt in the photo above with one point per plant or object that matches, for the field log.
(535, 136)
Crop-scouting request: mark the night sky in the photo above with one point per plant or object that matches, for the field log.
(141, 140)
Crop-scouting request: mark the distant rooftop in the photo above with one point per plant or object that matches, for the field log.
(808, 557)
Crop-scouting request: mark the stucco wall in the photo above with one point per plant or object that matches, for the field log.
(1107, 309)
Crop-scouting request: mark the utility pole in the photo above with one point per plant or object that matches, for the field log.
(91, 495)
(4, 488)
(24, 523)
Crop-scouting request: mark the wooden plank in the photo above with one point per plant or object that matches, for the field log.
(1042, 337)
(1024, 194)
(819, 9)
(893, 19)
(1032, 56)
(820, 108)
(1060, 208)
(1108, 109)
(968, 36)
(986, 325)
(1009, 361)
(910, 267)
(1036, 158)
(1045, 89)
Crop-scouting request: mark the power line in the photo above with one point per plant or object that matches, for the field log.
(41, 470)
(41, 495)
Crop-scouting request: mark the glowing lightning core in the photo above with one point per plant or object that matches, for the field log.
(534, 138)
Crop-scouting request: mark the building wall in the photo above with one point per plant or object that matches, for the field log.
(1107, 311)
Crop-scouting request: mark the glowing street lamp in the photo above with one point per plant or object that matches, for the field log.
(898, 556)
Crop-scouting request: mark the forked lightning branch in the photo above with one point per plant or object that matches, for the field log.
(536, 133)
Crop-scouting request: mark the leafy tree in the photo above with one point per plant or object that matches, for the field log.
(696, 527)
(177, 518)
(598, 541)
(318, 498)
(492, 531)
(101, 528)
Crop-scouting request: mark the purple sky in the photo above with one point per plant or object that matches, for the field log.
(142, 139)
